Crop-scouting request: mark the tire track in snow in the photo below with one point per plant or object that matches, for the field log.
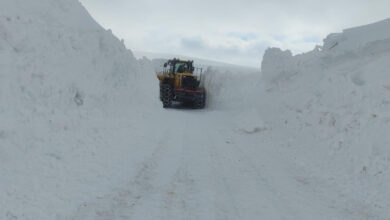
(249, 185)
(276, 196)
(121, 205)
(220, 180)
(185, 197)
(205, 163)
(177, 198)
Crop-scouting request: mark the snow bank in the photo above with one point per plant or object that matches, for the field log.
(358, 37)
(277, 62)
(67, 86)
(353, 44)
(330, 108)
(53, 54)
(230, 89)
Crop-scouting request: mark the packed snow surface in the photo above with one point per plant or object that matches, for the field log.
(84, 136)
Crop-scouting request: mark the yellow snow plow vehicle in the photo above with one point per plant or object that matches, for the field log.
(180, 82)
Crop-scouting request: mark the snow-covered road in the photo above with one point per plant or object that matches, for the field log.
(199, 167)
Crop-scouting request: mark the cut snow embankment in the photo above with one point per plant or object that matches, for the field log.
(331, 107)
(70, 94)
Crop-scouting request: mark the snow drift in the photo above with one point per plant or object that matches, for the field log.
(65, 82)
(331, 107)
(355, 44)
(59, 57)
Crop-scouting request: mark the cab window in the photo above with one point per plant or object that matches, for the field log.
(181, 67)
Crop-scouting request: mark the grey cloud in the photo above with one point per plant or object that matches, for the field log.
(234, 30)
(194, 43)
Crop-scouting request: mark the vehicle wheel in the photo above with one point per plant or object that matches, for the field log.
(200, 101)
(187, 104)
(166, 95)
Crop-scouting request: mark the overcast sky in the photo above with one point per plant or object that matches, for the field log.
(233, 31)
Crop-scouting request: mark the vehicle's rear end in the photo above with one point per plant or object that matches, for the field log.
(189, 92)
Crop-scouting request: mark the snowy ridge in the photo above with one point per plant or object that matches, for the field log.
(65, 82)
(353, 44)
(358, 37)
(333, 112)
(56, 52)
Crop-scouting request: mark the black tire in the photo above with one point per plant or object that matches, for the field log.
(166, 94)
(187, 104)
(200, 101)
